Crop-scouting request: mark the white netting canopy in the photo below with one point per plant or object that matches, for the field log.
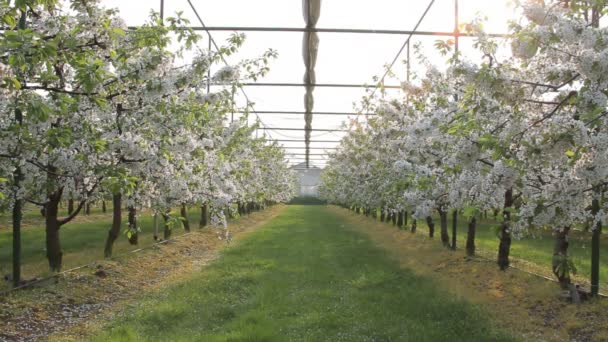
(343, 44)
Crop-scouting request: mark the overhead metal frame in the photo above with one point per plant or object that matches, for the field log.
(312, 29)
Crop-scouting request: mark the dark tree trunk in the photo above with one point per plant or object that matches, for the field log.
(454, 228)
(53, 243)
(560, 257)
(394, 218)
(116, 223)
(103, 207)
(375, 213)
(204, 215)
(400, 219)
(17, 214)
(431, 224)
(413, 228)
(87, 210)
(155, 225)
(382, 216)
(471, 236)
(70, 206)
(595, 250)
(134, 238)
(443, 222)
(184, 215)
(405, 217)
(504, 248)
(167, 228)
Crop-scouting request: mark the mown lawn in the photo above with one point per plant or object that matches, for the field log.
(303, 277)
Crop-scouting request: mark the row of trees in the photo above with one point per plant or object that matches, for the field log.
(524, 136)
(91, 110)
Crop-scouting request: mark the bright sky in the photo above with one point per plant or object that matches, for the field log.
(342, 58)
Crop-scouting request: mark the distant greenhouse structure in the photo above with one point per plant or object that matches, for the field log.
(308, 179)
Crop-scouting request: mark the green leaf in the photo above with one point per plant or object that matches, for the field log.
(9, 20)
(570, 153)
(470, 211)
(119, 31)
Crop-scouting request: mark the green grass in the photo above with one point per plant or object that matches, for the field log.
(536, 246)
(303, 277)
(310, 200)
(82, 240)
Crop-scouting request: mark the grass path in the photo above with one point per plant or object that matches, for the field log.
(303, 277)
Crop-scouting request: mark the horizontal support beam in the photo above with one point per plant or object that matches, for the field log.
(337, 30)
(311, 148)
(303, 129)
(291, 112)
(304, 159)
(312, 141)
(318, 85)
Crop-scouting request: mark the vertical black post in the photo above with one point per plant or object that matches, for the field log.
(595, 250)
(17, 213)
(595, 207)
(17, 217)
(454, 224)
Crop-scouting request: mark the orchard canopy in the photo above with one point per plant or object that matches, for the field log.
(413, 109)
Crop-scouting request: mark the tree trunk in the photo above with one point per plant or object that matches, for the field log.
(87, 210)
(504, 248)
(17, 218)
(394, 218)
(204, 215)
(167, 228)
(400, 219)
(18, 176)
(454, 228)
(184, 215)
(560, 257)
(116, 223)
(134, 238)
(431, 224)
(413, 228)
(103, 207)
(471, 236)
(155, 224)
(405, 217)
(382, 215)
(595, 250)
(53, 243)
(70, 206)
(443, 220)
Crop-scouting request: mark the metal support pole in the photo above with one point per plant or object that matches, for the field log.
(209, 70)
(408, 66)
(456, 29)
(162, 10)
